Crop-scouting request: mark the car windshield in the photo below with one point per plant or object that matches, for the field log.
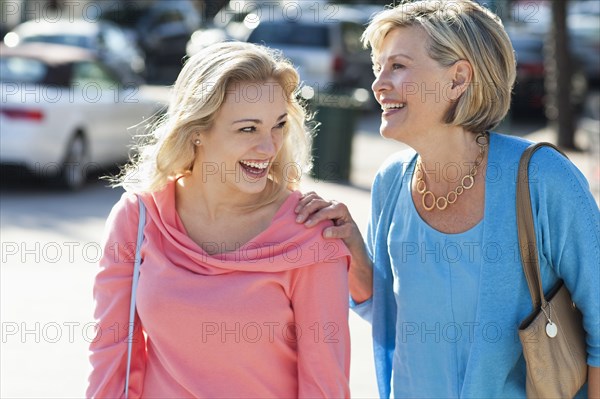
(71, 40)
(295, 34)
(22, 70)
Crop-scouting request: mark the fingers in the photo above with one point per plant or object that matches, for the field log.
(335, 211)
(305, 199)
(344, 231)
(310, 205)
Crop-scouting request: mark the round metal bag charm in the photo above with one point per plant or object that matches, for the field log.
(551, 330)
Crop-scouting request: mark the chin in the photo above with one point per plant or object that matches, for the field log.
(388, 132)
(256, 187)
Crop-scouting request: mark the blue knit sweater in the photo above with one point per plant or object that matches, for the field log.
(567, 223)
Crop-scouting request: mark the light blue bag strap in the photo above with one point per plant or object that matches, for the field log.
(134, 283)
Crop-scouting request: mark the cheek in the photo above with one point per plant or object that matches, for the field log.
(278, 139)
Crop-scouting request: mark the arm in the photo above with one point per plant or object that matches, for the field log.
(312, 210)
(593, 382)
(112, 295)
(319, 297)
(569, 232)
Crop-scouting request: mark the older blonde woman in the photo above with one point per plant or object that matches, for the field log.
(234, 299)
(441, 278)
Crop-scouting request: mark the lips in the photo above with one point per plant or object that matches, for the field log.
(389, 107)
(255, 169)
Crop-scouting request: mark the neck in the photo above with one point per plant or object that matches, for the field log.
(213, 198)
(452, 158)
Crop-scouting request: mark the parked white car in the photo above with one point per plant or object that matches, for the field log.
(63, 113)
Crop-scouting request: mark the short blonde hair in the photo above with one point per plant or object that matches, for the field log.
(460, 30)
(197, 96)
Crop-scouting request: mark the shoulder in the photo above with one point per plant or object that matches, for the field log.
(554, 177)
(504, 142)
(126, 206)
(549, 168)
(557, 187)
(124, 214)
(307, 240)
(288, 215)
(393, 167)
(506, 152)
(397, 162)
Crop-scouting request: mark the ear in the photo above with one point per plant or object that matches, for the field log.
(461, 74)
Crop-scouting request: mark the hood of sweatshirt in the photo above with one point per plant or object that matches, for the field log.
(284, 245)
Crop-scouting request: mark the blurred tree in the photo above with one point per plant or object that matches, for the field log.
(559, 75)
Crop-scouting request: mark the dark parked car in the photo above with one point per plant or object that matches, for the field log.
(229, 24)
(103, 38)
(584, 31)
(529, 94)
(325, 47)
(162, 30)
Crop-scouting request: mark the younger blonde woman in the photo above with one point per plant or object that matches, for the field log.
(234, 300)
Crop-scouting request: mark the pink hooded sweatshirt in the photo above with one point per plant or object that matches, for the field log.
(269, 320)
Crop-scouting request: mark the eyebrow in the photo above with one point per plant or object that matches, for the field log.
(257, 121)
(399, 55)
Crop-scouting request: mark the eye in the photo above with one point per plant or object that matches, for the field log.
(280, 125)
(248, 129)
(397, 66)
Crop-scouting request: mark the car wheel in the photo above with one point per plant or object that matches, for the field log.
(74, 171)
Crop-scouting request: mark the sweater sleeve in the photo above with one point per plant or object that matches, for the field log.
(386, 181)
(320, 301)
(365, 309)
(569, 233)
(112, 295)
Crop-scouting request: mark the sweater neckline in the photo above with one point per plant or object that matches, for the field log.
(407, 177)
(283, 245)
(288, 203)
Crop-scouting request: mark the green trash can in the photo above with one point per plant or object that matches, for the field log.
(336, 113)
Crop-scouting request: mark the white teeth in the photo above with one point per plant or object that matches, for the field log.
(392, 106)
(257, 165)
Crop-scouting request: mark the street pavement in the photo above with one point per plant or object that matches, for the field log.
(49, 251)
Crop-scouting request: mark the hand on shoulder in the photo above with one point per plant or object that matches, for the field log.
(312, 209)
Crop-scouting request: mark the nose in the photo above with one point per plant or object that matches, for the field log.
(381, 83)
(267, 145)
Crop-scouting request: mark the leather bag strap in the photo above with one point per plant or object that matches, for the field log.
(526, 227)
(134, 283)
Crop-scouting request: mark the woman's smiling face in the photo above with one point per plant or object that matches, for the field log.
(412, 88)
(245, 138)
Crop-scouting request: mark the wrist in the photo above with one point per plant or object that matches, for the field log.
(354, 241)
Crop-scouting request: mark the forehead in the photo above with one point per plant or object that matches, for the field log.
(265, 95)
(410, 41)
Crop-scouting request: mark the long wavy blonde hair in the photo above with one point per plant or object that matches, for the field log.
(200, 90)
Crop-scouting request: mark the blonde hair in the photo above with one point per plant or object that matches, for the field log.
(197, 96)
(460, 30)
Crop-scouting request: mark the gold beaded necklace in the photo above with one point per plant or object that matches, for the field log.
(466, 183)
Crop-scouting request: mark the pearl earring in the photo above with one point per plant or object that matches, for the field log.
(197, 142)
